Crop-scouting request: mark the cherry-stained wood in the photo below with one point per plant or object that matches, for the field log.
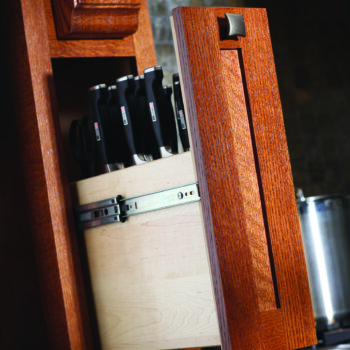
(95, 19)
(140, 45)
(273, 330)
(143, 41)
(228, 180)
(46, 188)
(21, 307)
(243, 156)
(32, 43)
(274, 172)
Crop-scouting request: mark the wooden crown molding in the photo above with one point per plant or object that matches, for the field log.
(81, 19)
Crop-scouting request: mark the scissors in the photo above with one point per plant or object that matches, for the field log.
(82, 142)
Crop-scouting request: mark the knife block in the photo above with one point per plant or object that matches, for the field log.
(227, 271)
(150, 276)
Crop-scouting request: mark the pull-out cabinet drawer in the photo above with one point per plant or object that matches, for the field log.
(229, 269)
(150, 275)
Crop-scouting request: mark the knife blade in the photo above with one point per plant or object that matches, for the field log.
(180, 113)
(125, 90)
(98, 110)
(153, 77)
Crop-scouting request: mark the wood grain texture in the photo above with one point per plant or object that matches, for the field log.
(243, 156)
(21, 307)
(150, 276)
(218, 176)
(32, 44)
(67, 324)
(95, 19)
(196, 147)
(131, 181)
(205, 84)
(273, 330)
(143, 41)
(85, 48)
(276, 181)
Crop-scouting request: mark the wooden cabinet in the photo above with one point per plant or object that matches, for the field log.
(259, 296)
(245, 180)
(34, 52)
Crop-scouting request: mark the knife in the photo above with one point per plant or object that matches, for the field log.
(125, 90)
(82, 143)
(118, 139)
(180, 113)
(170, 118)
(149, 145)
(155, 96)
(98, 111)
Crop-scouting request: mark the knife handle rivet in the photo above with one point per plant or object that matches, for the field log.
(180, 195)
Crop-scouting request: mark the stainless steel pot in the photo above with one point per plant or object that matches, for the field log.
(325, 226)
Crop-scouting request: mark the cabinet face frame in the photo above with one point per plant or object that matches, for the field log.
(247, 319)
(31, 44)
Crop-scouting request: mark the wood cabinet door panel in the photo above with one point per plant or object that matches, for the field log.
(245, 180)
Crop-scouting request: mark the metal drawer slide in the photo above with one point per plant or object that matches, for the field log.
(117, 209)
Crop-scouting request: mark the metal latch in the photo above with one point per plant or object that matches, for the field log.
(117, 209)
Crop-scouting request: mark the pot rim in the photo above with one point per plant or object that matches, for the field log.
(323, 197)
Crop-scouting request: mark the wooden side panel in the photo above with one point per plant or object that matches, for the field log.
(94, 19)
(150, 276)
(63, 299)
(21, 306)
(278, 196)
(224, 178)
(218, 172)
(32, 43)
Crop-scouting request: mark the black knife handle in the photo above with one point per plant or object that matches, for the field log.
(97, 102)
(146, 136)
(169, 118)
(180, 113)
(82, 142)
(125, 89)
(118, 138)
(154, 90)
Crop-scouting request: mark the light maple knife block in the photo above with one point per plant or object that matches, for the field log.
(227, 270)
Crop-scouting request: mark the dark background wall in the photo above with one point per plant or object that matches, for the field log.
(311, 42)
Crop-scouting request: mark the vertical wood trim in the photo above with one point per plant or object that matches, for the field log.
(277, 181)
(143, 40)
(219, 180)
(191, 112)
(56, 250)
